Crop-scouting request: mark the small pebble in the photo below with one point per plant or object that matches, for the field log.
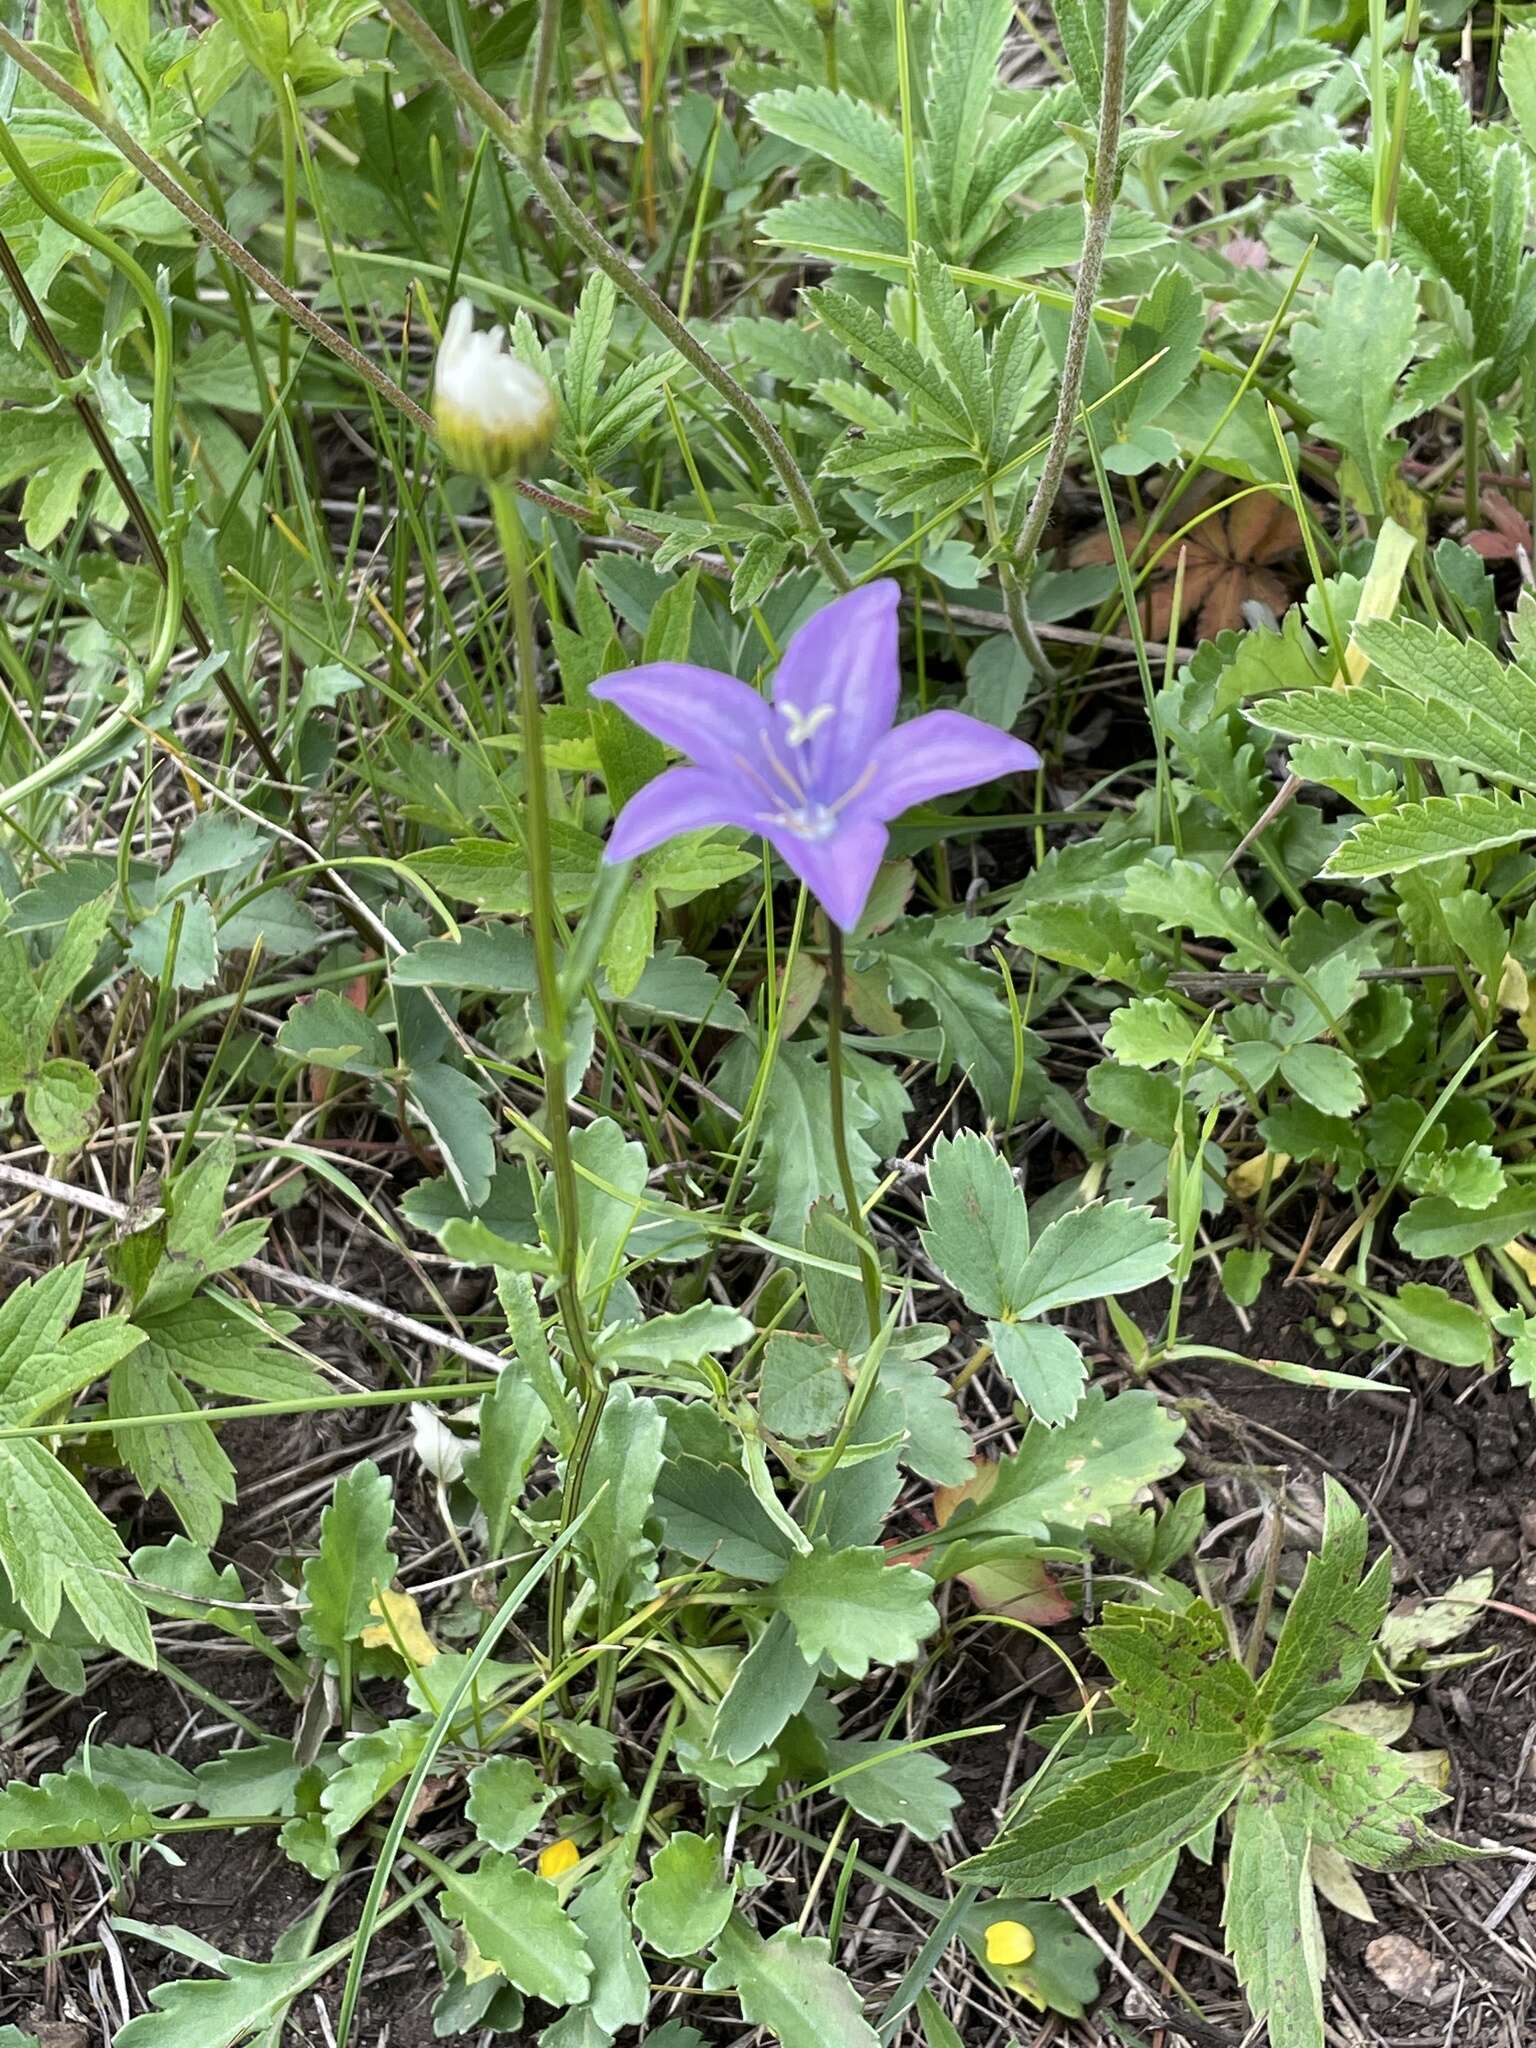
(1414, 1498)
(1500, 1547)
(1407, 1970)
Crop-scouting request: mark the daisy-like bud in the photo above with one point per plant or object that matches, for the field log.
(495, 416)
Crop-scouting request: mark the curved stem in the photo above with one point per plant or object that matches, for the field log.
(869, 1258)
(525, 141)
(168, 619)
(1104, 183)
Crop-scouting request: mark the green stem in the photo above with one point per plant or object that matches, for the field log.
(1103, 185)
(1405, 61)
(869, 1258)
(553, 1044)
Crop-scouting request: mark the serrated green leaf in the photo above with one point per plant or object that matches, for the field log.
(1103, 1829)
(855, 1607)
(1045, 1366)
(507, 1799)
(1272, 1926)
(967, 46)
(1347, 356)
(686, 1900)
(845, 131)
(924, 959)
(1324, 1076)
(1150, 1031)
(354, 1561)
(790, 1986)
(1177, 1682)
(1438, 828)
(494, 876)
(513, 1425)
(517, 1922)
(371, 1765)
(1331, 1625)
(1434, 1227)
(708, 1329)
(1517, 76)
(327, 1031)
(219, 2012)
(976, 1227)
(68, 1809)
(1088, 1254)
(61, 1105)
(617, 1489)
(184, 1462)
(1361, 1796)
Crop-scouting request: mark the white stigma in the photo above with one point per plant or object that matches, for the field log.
(802, 726)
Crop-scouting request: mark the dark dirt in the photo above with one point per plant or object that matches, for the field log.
(1447, 1473)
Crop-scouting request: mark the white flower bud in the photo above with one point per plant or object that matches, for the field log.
(495, 416)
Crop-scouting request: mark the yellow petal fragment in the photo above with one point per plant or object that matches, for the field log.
(1008, 1942)
(558, 1858)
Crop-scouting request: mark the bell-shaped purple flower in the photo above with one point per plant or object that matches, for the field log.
(821, 771)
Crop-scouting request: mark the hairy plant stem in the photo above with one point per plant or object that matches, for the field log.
(1103, 185)
(869, 1258)
(552, 1039)
(525, 140)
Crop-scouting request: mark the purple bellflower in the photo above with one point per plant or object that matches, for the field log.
(821, 771)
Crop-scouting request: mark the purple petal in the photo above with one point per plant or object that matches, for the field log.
(681, 800)
(839, 870)
(711, 717)
(935, 755)
(839, 682)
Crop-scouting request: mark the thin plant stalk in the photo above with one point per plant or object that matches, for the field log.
(868, 1257)
(553, 1040)
(1104, 183)
(553, 1043)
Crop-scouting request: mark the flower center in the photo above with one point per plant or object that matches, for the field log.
(811, 821)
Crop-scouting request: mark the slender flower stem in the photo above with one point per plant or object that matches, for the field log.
(869, 1258)
(525, 142)
(1104, 184)
(553, 1044)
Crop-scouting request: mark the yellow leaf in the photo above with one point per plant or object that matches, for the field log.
(1379, 592)
(1247, 1177)
(399, 1628)
(474, 1965)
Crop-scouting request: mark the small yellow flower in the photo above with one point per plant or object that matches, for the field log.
(1009, 1942)
(564, 1855)
(495, 416)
